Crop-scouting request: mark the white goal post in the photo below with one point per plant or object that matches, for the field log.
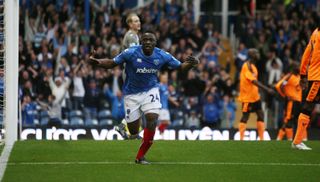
(10, 76)
(11, 24)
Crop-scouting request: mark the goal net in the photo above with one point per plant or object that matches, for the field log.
(2, 61)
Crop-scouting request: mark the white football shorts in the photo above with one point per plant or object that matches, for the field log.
(164, 115)
(143, 102)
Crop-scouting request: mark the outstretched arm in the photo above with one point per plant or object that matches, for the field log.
(104, 63)
(43, 105)
(260, 85)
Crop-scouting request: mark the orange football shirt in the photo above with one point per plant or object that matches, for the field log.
(249, 92)
(310, 62)
(289, 86)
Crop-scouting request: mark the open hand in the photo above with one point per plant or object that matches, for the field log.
(92, 60)
(271, 91)
(192, 60)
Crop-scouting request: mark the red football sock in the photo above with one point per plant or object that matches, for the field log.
(146, 143)
(162, 127)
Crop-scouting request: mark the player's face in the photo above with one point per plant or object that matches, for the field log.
(135, 23)
(254, 55)
(148, 41)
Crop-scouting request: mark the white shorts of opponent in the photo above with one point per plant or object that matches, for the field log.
(143, 102)
(164, 115)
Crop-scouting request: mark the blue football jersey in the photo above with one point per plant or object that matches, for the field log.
(141, 71)
(164, 96)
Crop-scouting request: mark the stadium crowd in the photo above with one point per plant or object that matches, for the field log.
(57, 85)
(280, 32)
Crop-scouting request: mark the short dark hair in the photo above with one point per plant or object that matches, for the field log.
(149, 31)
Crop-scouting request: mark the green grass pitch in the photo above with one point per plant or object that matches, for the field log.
(86, 160)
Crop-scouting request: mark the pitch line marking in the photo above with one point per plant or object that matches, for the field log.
(4, 159)
(165, 163)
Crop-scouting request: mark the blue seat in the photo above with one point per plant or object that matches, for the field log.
(91, 123)
(75, 113)
(76, 118)
(106, 122)
(106, 113)
(65, 122)
(76, 122)
(105, 118)
(178, 118)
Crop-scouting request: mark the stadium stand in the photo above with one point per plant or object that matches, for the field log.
(55, 36)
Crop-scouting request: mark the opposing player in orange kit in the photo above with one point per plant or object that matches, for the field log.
(310, 83)
(249, 93)
(289, 88)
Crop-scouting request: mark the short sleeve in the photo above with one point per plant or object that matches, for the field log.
(122, 57)
(172, 62)
(250, 76)
(132, 41)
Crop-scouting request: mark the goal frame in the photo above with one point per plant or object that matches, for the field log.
(11, 70)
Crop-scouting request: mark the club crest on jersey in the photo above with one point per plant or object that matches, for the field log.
(139, 60)
(156, 61)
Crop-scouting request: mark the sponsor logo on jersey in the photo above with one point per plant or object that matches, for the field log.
(145, 70)
(156, 61)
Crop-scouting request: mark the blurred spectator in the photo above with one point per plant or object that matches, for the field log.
(45, 56)
(31, 25)
(193, 121)
(28, 89)
(191, 104)
(165, 99)
(38, 37)
(60, 43)
(92, 98)
(42, 82)
(211, 112)
(53, 106)
(241, 57)
(274, 68)
(29, 111)
(117, 103)
(228, 113)
(59, 88)
(191, 83)
(78, 86)
(211, 51)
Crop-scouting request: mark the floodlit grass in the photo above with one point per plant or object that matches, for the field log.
(172, 161)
